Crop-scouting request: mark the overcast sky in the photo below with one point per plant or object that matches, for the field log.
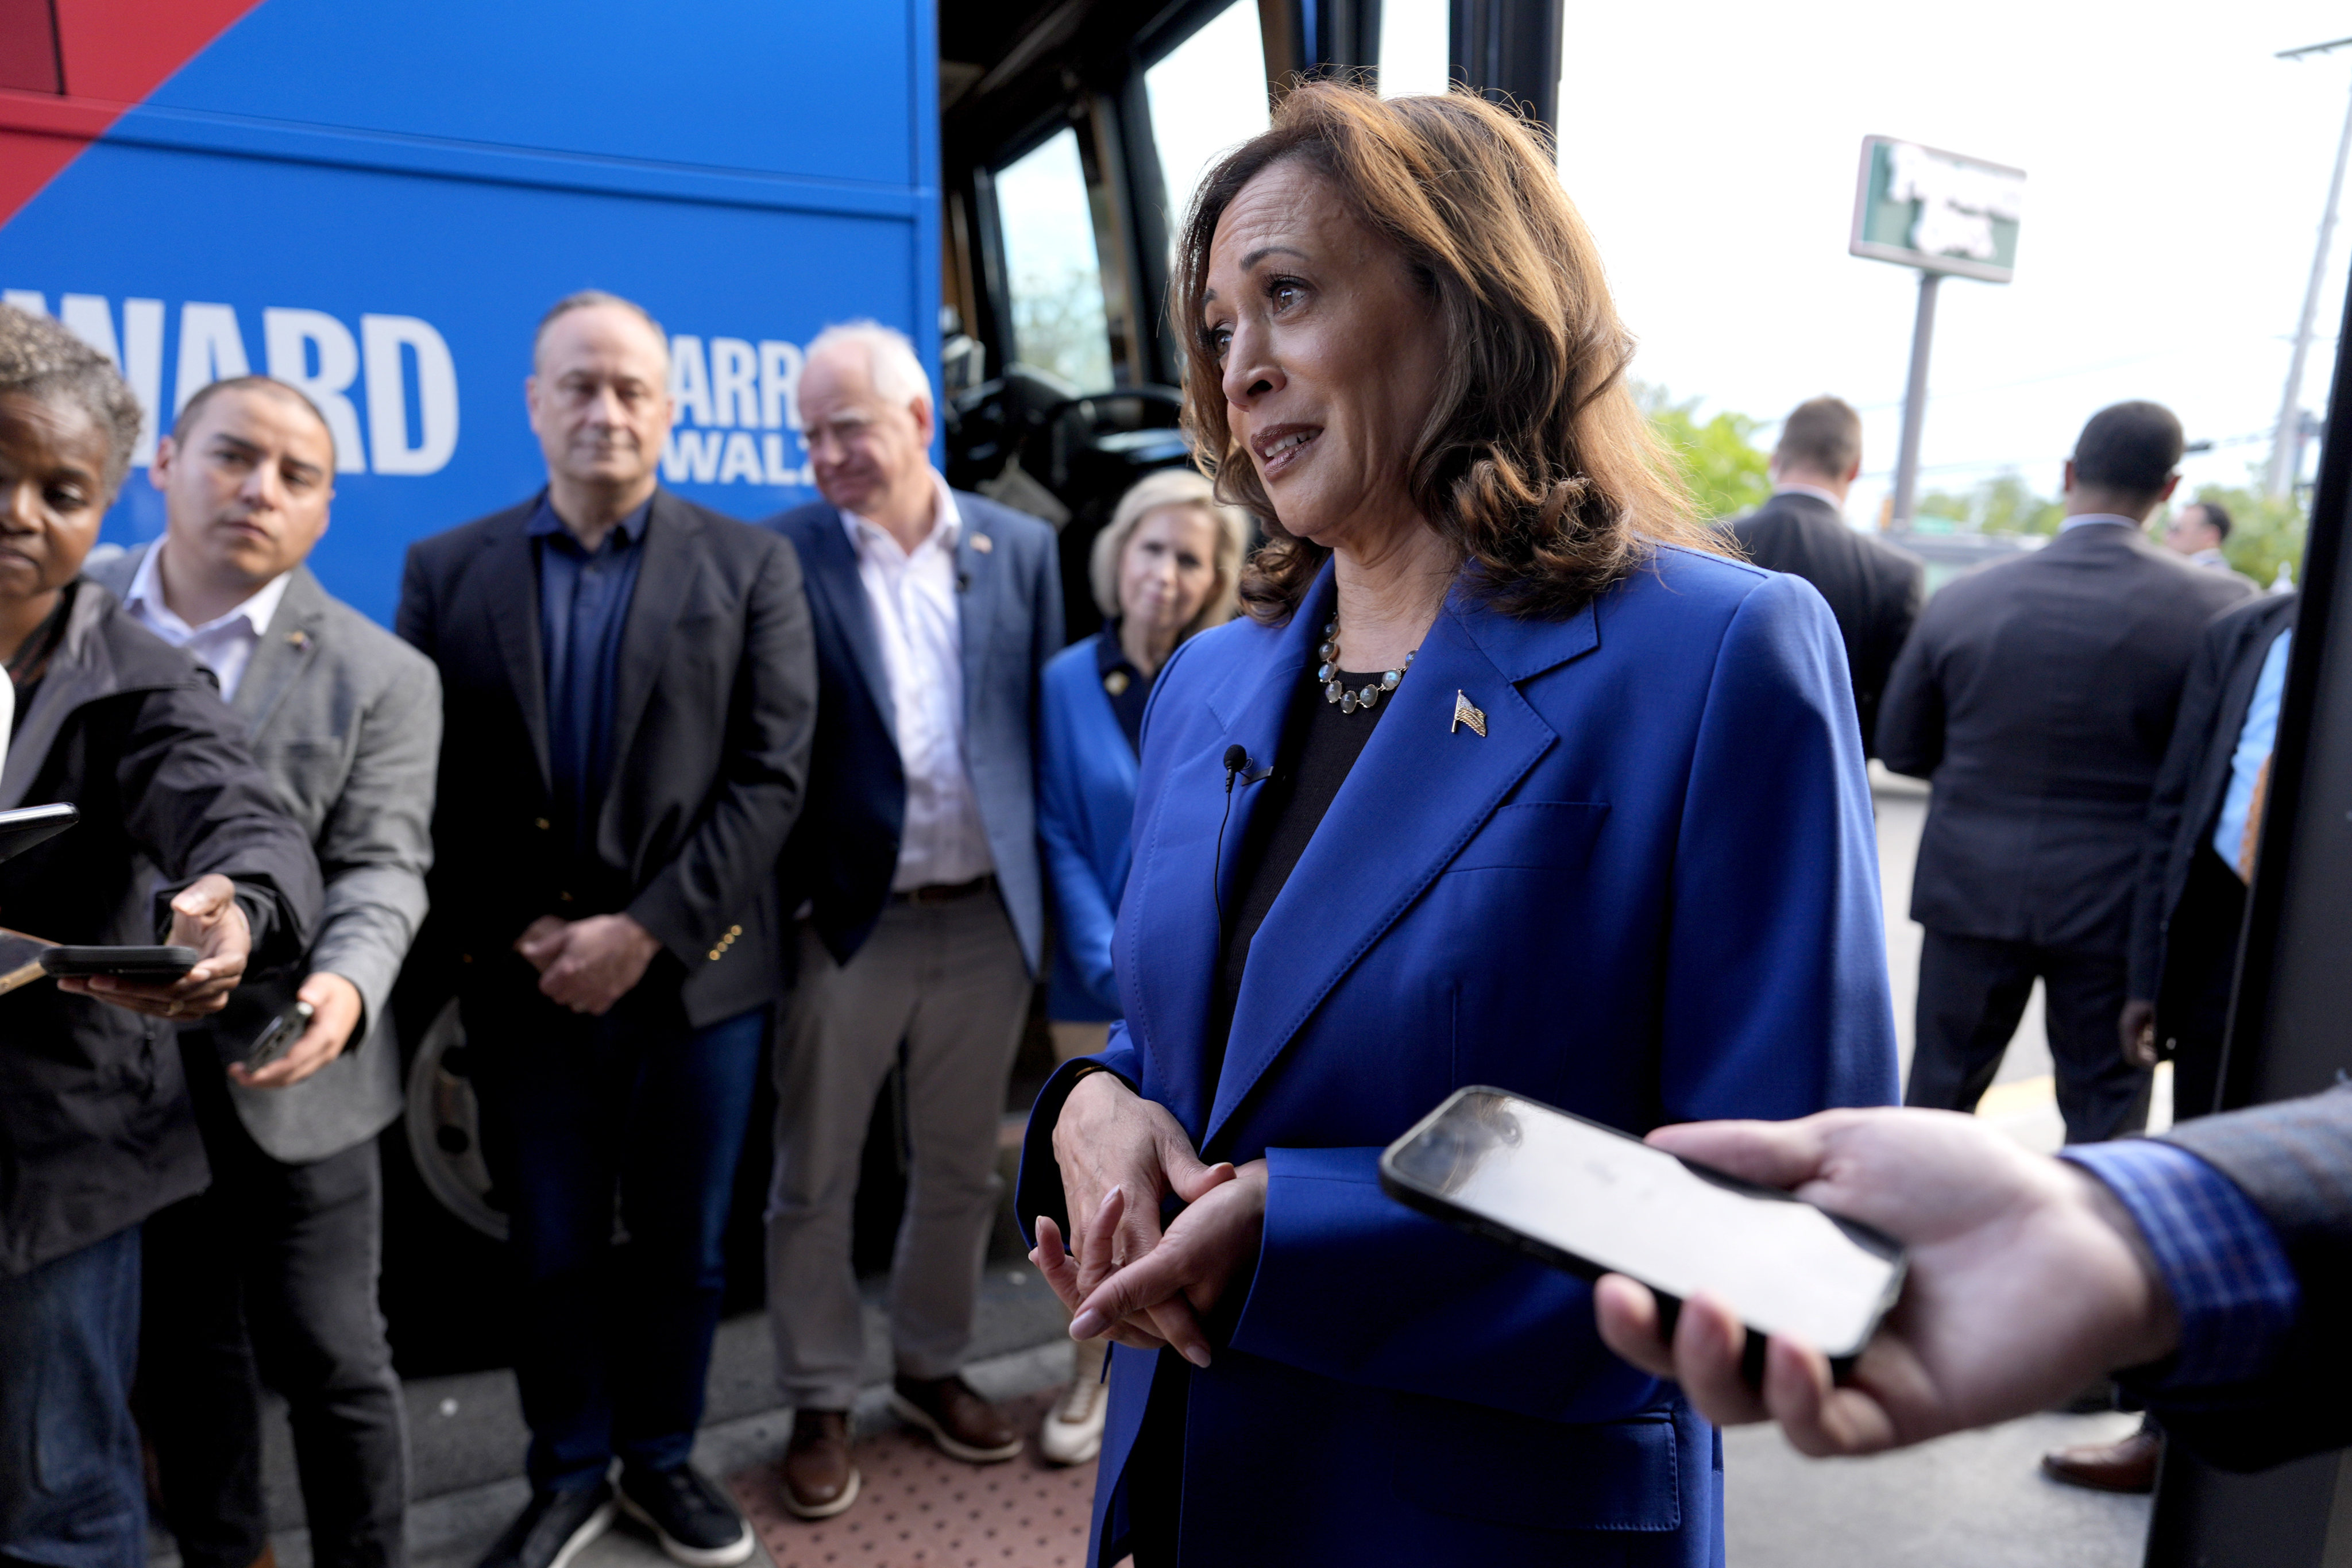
(2175, 175)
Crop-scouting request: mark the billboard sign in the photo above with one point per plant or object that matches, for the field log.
(1938, 211)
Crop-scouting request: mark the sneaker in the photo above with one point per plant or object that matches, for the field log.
(1072, 1432)
(961, 1422)
(551, 1530)
(694, 1521)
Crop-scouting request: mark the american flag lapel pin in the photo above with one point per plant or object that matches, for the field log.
(982, 544)
(1466, 712)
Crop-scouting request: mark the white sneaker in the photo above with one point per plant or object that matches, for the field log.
(1072, 1432)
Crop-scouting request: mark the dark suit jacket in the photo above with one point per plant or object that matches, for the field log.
(2196, 773)
(2038, 694)
(845, 850)
(2293, 1159)
(714, 699)
(1874, 589)
(95, 1133)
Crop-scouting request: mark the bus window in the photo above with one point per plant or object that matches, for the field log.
(1413, 44)
(1053, 270)
(1207, 94)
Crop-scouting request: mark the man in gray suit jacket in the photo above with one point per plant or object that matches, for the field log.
(916, 862)
(270, 1276)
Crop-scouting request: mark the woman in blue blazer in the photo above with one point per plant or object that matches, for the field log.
(1508, 777)
(1164, 567)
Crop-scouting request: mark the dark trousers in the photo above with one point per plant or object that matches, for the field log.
(71, 1492)
(1973, 990)
(270, 1276)
(614, 1347)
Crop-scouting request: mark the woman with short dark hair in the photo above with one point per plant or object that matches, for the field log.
(96, 1132)
(1509, 777)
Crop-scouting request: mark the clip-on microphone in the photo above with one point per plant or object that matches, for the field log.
(1237, 762)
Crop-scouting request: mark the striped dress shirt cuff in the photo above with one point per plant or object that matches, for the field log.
(2229, 1276)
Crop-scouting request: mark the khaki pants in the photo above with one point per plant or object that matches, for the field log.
(948, 981)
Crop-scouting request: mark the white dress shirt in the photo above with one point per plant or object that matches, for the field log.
(917, 621)
(2084, 520)
(223, 645)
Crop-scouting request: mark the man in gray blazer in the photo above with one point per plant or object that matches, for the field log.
(270, 1276)
(916, 859)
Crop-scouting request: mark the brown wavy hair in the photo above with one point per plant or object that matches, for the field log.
(1537, 464)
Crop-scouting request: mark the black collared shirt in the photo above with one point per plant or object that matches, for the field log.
(1127, 688)
(583, 604)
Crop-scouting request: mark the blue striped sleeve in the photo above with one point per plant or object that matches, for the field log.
(2230, 1279)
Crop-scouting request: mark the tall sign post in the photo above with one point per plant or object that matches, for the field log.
(1942, 214)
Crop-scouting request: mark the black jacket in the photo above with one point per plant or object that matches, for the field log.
(1875, 590)
(2196, 774)
(95, 1128)
(2038, 693)
(2293, 1159)
(714, 699)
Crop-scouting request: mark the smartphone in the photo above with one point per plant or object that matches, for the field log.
(146, 964)
(277, 1037)
(20, 830)
(1591, 1200)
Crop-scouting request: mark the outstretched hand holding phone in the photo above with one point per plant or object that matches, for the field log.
(2027, 1279)
(206, 916)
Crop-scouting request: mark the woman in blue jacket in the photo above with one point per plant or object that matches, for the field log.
(1164, 568)
(1509, 777)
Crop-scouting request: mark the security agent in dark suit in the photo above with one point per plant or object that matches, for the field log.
(1874, 589)
(2038, 695)
(936, 612)
(2189, 909)
(277, 1263)
(629, 695)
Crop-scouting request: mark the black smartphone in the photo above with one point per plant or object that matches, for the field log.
(148, 965)
(1591, 1200)
(20, 830)
(278, 1036)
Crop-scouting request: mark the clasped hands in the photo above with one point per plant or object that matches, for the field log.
(1120, 1155)
(587, 965)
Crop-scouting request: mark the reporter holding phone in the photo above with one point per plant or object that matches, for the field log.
(1508, 777)
(96, 1131)
(271, 1274)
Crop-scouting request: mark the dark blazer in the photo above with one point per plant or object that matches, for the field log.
(2038, 693)
(1875, 590)
(715, 696)
(2195, 777)
(845, 850)
(345, 719)
(1647, 893)
(2293, 1159)
(95, 1133)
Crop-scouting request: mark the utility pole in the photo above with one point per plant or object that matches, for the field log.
(2287, 445)
(1914, 401)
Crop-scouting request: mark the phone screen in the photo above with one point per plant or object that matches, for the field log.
(1591, 1196)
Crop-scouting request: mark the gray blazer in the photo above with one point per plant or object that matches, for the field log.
(345, 719)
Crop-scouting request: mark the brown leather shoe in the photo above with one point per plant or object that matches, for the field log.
(962, 1422)
(819, 1478)
(2128, 1465)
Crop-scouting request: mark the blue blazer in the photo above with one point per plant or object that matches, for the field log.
(1648, 894)
(1085, 803)
(844, 848)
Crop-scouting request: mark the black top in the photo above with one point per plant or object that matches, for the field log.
(1320, 744)
(584, 605)
(32, 661)
(1127, 688)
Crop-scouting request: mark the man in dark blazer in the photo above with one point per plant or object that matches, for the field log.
(2189, 908)
(2038, 695)
(629, 697)
(917, 864)
(1874, 589)
(270, 1274)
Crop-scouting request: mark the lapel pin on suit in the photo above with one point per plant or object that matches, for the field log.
(1465, 713)
(298, 639)
(982, 544)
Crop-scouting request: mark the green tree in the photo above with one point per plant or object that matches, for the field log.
(1725, 471)
(2265, 532)
(2006, 504)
